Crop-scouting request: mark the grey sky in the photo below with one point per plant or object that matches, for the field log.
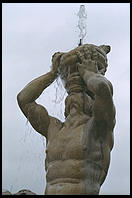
(31, 34)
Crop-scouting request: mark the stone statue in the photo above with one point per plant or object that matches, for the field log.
(78, 150)
(21, 192)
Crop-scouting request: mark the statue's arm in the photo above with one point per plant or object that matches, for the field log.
(36, 114)
(102, 90)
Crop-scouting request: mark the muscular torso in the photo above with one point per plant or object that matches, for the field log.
(74, 154)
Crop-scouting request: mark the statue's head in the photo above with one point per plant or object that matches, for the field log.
(68, 71)
(78, 103)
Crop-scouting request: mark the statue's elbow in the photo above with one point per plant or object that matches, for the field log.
(19, 99)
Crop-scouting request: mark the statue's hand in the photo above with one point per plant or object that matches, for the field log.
(86, 64)
(56, 62)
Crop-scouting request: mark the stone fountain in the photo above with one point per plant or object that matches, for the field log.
(78, 149)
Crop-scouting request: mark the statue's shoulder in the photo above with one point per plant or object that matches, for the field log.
(55, 123)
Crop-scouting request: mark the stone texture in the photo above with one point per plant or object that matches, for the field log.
(25, 192)
(6, 193)
(78, 150)
(21, 192)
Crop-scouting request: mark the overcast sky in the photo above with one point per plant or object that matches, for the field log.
(31, 34)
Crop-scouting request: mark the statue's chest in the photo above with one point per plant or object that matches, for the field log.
(67, 144)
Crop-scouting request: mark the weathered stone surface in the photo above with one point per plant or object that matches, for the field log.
(78, 150)
(25, 192)
(21, 192)
(6, 193)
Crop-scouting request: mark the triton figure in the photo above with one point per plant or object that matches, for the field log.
(78, 150)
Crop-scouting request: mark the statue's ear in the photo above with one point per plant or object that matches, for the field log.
(106, 48)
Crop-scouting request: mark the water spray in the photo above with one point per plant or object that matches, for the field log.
(82, 23)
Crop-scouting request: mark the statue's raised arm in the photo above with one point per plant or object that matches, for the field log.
(36, 114)
(92, 68)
